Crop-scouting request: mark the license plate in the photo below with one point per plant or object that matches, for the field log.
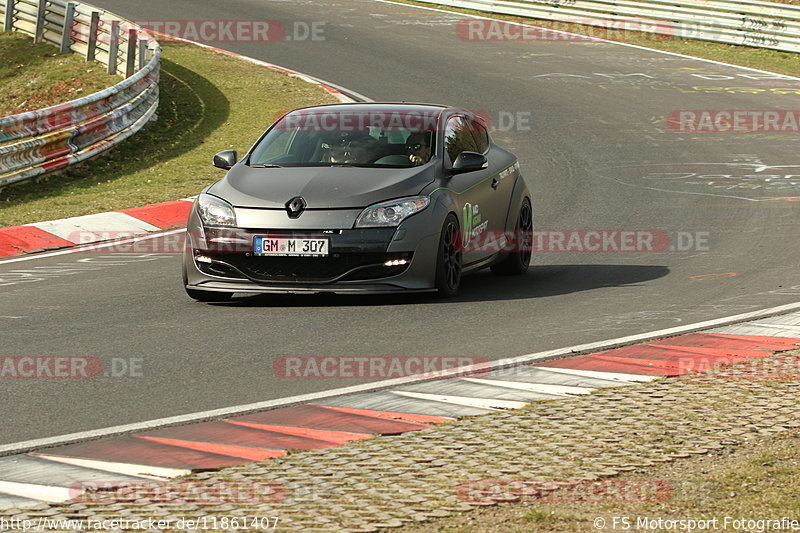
(282, 246)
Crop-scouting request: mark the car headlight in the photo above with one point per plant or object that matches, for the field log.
(215, 211)
(391, 213)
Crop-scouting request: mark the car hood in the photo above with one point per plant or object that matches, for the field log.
(320, 187)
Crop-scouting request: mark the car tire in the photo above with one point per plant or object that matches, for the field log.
(209, 296)
(517, 262)
(449, 259)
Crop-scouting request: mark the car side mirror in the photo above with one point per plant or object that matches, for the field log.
(225, 159)
(469, 162)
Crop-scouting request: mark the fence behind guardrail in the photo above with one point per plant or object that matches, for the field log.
(37, 142)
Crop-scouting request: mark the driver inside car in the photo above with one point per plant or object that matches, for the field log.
(418, 148)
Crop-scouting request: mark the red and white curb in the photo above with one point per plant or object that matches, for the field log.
(52, 474)
(87, 229)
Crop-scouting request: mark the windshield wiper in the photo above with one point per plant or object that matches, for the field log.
(265, 165)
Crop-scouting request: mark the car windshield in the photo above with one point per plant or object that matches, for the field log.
(374, 139)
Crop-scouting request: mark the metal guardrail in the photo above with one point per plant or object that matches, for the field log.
(41, 141)
(742, 22)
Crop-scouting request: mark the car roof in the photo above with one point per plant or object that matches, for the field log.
(403, 107)
(386, 106)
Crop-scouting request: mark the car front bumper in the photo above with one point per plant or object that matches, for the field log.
(223, 260)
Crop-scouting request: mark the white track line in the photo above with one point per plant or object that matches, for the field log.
(596, 374)
(794, 329)
(47, 493)
(465, 401)
(129, 469)
(544, 388)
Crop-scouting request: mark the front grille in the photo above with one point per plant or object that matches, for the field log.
(315, 269)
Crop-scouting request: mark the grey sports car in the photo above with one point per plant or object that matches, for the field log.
(360, 198)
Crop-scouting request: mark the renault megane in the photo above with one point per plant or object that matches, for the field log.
(360, 198)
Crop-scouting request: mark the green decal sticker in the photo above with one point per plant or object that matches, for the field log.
(473, 226)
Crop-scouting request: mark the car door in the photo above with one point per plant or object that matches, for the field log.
(502, 186)
(473, 190)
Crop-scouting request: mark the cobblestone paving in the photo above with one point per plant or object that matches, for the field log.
(388, 481)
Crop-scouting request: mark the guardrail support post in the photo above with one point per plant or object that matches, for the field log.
(40, 12)
(113, 47)
(142, 53)
(130, 58)
(94, 27)
(66, 35)
(9, 19)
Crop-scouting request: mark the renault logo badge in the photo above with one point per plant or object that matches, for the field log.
(295, 206)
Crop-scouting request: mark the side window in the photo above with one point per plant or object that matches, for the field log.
(481, 136)
(458, 137)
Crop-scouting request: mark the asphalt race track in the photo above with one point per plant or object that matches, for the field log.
(591, 133)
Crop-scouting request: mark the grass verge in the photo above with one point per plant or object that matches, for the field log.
(208, 102)
(756, 481)
(33, 76)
